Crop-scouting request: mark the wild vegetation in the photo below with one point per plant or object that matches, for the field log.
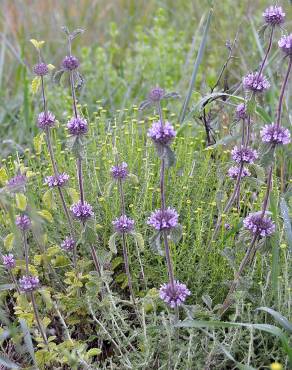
(145, 193)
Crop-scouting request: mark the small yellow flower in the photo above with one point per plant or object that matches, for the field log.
(276, 366)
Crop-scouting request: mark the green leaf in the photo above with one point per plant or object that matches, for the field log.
(196, 68)
(21, 201)
(27, 339)
(112, 243)
(176, 234)
(9, 241)
(35, 84)
(139, 240)
(73, 194)
(108, 188)
(283, 321)
(155, 243)
(48, 200)
(169, 156)
(3, 175)
(94, 352)
(46, 215)
(133, 178)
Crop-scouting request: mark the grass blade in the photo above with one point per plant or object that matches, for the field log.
(287, 222)
(286, 324)
(196, 68)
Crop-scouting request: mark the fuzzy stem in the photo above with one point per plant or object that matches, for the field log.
(43, 95)
(95, 260)
(228, 300)
(80, 178)
(269, 188)
(267, 52)
(37, 317)
(14, 282)
(163, 207)
(280, 104)
(25, 253)
(124, 243)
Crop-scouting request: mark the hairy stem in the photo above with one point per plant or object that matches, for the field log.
(37, 317)
(267, 52)
(14, 282)
(163, 207)
(228, 300)
(281, 98)
(25, 253)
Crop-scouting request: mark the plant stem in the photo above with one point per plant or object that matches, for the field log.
(25, 253)
(14, 282)
(124, 243)
(228, 300)
(36, 314)
(280, 104)
(163, 207)
(267, 52)
(80, 178)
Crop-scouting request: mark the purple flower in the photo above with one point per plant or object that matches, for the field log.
(41, 69)
(227, 226)
(233, 172)
(258, 224)
(46, 120)
(244, 155)
(77, 126)
(274, 15)
(255, 82)
(241, 112)
(123, 224)
(68, 244)
(156, 94)
(275, 134)
(162, 134)
(70, 63)
(23, 222)
(28, 283)
(60, 180)
(174, 295)
(285, 43)
(82, 211)
(8, 261)
(163, 219)
(120, 171)
(17, 183)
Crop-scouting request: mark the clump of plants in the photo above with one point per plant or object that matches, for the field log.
(105, 268)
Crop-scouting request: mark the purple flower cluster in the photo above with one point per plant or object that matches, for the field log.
(285, 43)
(17, 183)
(174, 295)
(156, 94)
(59, 180)
(120, 171)
(68, 244)
(41, 69)
(123, 224)
(46, 120)
(244, 155)
(163, 219)
(255, 82)
(233, 172)
(241, 112)
(70, 63)
(8, 261)
(77, 126)
(23, 222)
(82, 211)
(274, 15)
(162, 134)
(258, 224)
(28, 283)
(275, 134)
